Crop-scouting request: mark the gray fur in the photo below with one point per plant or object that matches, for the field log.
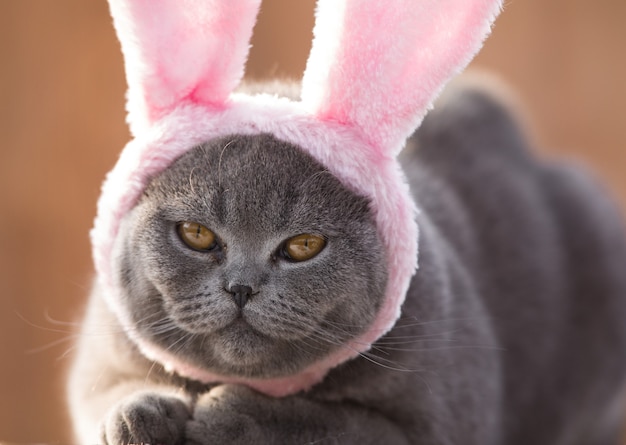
(512, 331)
(232, 186)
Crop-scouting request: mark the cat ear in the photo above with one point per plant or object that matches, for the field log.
(179, 51)
(378, 66)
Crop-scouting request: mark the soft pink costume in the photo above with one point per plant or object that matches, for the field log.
(374, 70)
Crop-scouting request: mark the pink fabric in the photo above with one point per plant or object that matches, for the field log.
(378, 65)
(356, 164)
(375, 67)
(181, 50)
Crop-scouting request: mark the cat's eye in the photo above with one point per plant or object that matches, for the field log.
(303, 247)
(196, 236)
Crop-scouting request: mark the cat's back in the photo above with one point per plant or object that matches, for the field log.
(546, 250)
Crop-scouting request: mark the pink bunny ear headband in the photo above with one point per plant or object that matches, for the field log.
(374, 70)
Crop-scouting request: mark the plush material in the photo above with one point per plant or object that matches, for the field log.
(374, 70)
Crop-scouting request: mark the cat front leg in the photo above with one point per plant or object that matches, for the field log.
(149, 417)
(234, 414)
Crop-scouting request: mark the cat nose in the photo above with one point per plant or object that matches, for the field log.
(241, 294)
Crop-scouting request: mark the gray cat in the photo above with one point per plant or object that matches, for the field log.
(256, 255)
(247, 257)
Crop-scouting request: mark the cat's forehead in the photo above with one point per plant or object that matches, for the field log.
(255, 180)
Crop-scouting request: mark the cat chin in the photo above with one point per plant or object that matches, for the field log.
(239, 349)
(278, 386)
(240, 345)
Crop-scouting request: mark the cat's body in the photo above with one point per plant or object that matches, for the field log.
(511, 333)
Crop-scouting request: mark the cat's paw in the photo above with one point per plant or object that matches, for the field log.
(147, 418)
(227, 415)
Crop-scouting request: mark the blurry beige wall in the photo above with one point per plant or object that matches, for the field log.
(62, 127)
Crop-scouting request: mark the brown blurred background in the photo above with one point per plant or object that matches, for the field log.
(62, 127)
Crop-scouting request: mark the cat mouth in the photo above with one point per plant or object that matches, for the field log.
(241, 344)
(241, 322)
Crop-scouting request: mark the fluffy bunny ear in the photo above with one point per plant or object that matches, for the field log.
(378, 65)
(181, 50)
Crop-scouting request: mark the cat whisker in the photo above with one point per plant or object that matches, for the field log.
(345, 325)
(303, 345)
(54, 321)
(315, 176)
(393, 366)
(219, 164)
(67, 352)
(42, 328)
(51, 345)
(368, 355)
(107, 330)
(403, 321)
(447, 348)
(163, 326)
(179, 344)
(145, 382)
(404, 339)
(380, 352)
(193, 190)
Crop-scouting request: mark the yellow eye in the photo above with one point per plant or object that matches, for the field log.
(304, 247)
(196, 236)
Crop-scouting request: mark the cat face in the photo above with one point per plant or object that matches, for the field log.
(247, 258)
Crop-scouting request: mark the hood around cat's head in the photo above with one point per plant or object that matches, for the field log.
(367, 85)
